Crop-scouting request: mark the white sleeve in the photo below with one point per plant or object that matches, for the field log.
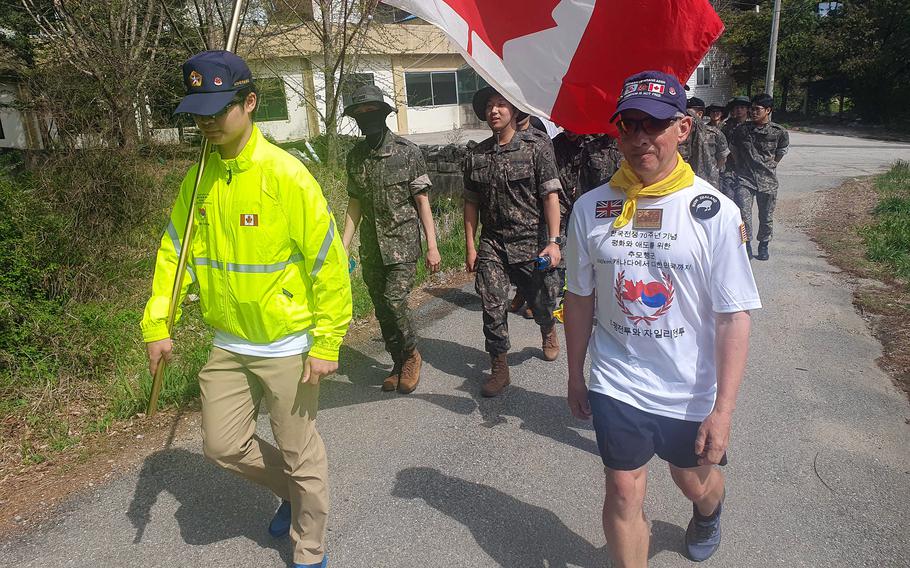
(579, 268)
(733, 287)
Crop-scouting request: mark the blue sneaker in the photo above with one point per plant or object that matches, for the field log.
(703, 534)
(323, 564)
(281, 522)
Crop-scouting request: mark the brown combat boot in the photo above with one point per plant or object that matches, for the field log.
(517, 302)
(391, 382)
(499, 376)
(410, 373)
(550, 344)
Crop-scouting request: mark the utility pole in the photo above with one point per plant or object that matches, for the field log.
(772, 50)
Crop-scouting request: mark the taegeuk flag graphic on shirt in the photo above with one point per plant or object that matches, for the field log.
(566, 59)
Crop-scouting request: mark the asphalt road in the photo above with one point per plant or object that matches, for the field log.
(819, 472)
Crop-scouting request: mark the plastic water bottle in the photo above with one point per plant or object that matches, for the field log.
(542, 262)
(351, 265)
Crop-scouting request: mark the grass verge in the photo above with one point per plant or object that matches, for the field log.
(864, 227)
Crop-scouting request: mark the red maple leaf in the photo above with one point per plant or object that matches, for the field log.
(633, 290)
(497, 21)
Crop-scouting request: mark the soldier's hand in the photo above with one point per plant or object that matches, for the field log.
(470, 261)
(552, 250)
(314, 369)
(158, 351)
(433, 260)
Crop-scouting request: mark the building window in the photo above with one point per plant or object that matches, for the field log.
(469, 82)
(434, 88)
(352, 82)
(273, 102)
(703, 76)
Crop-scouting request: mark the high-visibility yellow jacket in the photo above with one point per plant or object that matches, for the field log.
(266, 252)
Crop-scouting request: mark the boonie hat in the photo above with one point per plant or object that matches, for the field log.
(211, 79)
(763, 100)
(654, 92)
(739, 101)
(695, 102)
(367, 98)
(713, 107)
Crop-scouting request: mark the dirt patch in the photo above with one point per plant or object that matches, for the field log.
(883, 300)
(29, 494)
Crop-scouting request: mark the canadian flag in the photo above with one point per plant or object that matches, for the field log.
(249, 220)
(566, 59)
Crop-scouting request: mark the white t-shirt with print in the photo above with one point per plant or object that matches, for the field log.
(659, 282)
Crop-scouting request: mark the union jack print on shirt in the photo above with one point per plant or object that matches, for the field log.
(608, 209)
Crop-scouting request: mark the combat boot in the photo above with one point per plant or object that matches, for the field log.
(391, 382)
(749, 249)
(550, 344)
(763, 251)
(410, 373)
(499, 376)
(517, 302)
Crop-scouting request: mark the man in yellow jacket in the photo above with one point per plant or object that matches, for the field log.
(273, 283)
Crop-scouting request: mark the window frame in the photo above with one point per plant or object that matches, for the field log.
(261, 91)
(700, 74)
(433, 103)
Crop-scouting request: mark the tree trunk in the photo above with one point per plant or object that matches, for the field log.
(328, 73)
(127, 129)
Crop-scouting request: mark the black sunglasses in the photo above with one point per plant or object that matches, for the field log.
(649, 125)
(227, 108)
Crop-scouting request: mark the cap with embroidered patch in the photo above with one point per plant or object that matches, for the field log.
(211, 79)
(656, 93)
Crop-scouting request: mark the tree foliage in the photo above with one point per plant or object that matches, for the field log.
(860, 51)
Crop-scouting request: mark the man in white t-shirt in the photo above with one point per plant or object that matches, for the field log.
(658, 256)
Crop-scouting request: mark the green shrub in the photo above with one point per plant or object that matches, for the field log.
(888, 238)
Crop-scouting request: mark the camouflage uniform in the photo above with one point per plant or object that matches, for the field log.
(385, 181)
(717, 145)
(600, 159)
(586, 163)
(509, 184)
(756, 149)
(728, 176)
(697, 151)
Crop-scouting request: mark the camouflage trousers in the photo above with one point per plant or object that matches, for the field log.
(728, 185)
(766, 203)
(389, 286)
(540, 288)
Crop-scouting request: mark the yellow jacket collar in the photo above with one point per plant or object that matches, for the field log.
(244, 160)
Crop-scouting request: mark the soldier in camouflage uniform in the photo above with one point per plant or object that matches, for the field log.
(714, 138)
(512, 185)
(738, 107)
(387, 189)
(697, 151)
(758, 146)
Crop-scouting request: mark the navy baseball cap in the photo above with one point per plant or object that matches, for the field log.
(211, 79)
(659, 94)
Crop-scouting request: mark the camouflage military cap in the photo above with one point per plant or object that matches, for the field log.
(739, 101)
(367, 98)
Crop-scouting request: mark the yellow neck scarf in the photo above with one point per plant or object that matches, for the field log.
(628, 181)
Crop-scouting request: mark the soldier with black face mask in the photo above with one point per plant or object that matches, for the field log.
(387, 189)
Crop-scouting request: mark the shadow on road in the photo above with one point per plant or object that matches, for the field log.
(214, 505)
(514, 533)
(457, 297)
(543, 414)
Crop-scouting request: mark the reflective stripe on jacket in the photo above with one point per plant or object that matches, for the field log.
(266, 252)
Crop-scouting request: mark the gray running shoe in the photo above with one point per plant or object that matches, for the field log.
(703, 534)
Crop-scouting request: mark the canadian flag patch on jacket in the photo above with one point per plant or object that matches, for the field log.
(249, 220)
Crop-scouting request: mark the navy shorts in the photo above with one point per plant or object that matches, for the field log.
(628, 437)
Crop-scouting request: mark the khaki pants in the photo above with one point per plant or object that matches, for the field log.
(232, 387)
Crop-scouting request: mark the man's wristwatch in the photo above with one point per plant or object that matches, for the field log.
(557, 240)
